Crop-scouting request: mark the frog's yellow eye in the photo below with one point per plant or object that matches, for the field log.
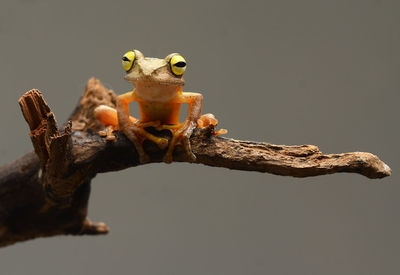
(127, 60)
(178, 65)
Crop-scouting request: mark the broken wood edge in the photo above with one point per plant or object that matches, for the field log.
(46, 194)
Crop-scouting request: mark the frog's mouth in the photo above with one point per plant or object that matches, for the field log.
(155, 80)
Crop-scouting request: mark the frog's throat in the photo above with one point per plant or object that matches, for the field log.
(155, 92)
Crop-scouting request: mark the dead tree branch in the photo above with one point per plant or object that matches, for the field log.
(46, 193)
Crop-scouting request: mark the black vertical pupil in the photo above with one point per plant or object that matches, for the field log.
(180, 64)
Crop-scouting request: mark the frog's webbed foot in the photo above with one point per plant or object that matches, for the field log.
(108, 133)
(138, 129)
(137, 134)
(180, 134)
(209, 119)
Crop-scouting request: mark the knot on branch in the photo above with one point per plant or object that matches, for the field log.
(95, 94)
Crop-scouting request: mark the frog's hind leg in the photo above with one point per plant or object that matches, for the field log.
(109, 118)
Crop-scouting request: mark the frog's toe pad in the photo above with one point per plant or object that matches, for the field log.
(110, 137)
(103, 133)
(221, 132)
(162, 143)
(108, 133)
(167, 158)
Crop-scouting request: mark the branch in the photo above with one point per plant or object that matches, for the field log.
(46, 193)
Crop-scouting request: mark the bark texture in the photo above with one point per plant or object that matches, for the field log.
(46, 192)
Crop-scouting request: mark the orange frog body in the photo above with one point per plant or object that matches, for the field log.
(158, 91)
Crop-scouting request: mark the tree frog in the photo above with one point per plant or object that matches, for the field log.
(158, 91)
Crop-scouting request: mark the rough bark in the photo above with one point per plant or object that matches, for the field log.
(46, 192)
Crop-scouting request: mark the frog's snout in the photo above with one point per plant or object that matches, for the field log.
(148, 71)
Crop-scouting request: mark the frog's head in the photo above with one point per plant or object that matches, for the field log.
(168, 71)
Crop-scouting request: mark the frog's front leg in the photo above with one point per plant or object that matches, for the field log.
(135, 131)
(183, 131)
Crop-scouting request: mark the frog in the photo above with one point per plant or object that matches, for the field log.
(158, 91)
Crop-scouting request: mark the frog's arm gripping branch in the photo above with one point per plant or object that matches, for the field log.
(46, 193)
(195, 101)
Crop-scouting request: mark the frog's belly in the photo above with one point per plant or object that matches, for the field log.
(166, 113)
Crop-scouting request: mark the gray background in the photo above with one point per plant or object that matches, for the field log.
(286, 72)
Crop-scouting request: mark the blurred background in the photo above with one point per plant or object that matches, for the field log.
(285, 72)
